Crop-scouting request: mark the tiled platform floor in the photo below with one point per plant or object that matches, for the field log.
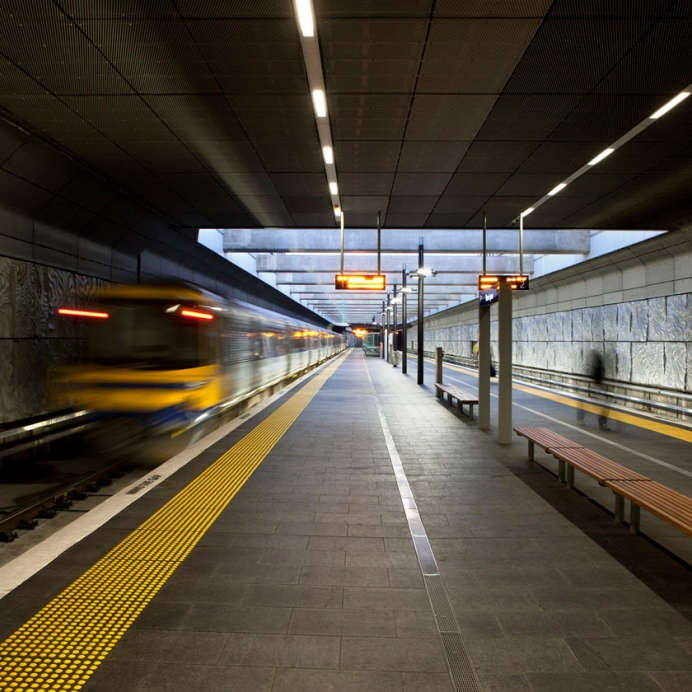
(309, 581)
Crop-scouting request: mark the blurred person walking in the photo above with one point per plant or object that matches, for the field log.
(596, 371)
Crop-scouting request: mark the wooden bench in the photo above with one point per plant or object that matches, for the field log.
(665, 503)
(544, 438)
(662, 501)
(460, 395)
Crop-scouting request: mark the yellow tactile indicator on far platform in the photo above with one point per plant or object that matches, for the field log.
(63, 644)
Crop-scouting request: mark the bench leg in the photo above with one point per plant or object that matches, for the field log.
(471, 411)
(570, 476)
(530, 450)
(440, 394)
(561, 470)
(619, 508)
(460, 408)
(449, 399)
(634, 518)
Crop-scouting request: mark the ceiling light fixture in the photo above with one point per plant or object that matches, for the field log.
(599, 157)
(306, 21)
(328, 154)
(320, 103)
(337, 213)
(526, 212)
(670, 105)
(557, 188)
(333, 188)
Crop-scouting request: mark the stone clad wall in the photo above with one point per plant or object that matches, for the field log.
(633, 306)
(33, 338)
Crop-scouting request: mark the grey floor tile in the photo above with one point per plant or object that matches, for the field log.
(386, 599)
(291, 680)
(512, 655)
(364, 623)
(673, 681)
(288, 651)
(200, 648)
(645, 652)
(344, 576)
(588, 682)
(427, 682)
(172, 678)
(299, 596)
(401, 654)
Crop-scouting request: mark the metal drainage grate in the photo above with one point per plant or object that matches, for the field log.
(460, 667)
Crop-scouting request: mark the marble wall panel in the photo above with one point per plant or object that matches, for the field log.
(624, 322)
(609, 315)
(577, 326)
(640, 320)
(596, 323)
(675, 365)
(6, 300)
(647, 363)
(7, 388)
(33, 338)
(623, 364)
(657, 318)
(677, 317)
(688, 386)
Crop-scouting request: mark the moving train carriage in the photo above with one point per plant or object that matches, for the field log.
(170, 355)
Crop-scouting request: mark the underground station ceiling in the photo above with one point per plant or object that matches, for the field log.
(437, 110)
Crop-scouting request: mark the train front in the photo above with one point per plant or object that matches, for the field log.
(150, 359)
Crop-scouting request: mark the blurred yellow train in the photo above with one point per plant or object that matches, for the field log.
(172, 355)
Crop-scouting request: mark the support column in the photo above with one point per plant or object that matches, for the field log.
(404, 334)
(504, 337)
(483, 367)
(383, 346)
(439, 356)
(386, 332)
(421, 354)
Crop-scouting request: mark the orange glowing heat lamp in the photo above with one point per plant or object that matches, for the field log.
(197, 314)
(72, 312)
(518, 282)
(359, 282)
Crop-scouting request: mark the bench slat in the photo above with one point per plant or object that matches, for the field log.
(593, 464)
(661, 501)
(460, 394)
(546, 438)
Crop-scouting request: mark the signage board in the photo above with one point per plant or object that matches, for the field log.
(359, 282)
(518, 282)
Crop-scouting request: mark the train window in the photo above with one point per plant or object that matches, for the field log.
(142, 335)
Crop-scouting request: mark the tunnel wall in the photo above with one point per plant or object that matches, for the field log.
(64, 228)
(634, 306)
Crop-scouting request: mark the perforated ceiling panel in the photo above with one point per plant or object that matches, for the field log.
(437, 109)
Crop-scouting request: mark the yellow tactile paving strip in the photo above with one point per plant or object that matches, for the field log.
(61, 646)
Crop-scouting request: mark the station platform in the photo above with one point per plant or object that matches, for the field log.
(356, 535)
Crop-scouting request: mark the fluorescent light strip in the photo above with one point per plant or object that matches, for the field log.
(670, 105)
(306, 21)
(630, 134)
(526, 212)
(309, 41)
(320, 103)
(599, 157)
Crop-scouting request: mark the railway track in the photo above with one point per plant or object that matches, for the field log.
(27, 458)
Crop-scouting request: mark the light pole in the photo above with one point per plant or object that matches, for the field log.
(404, 335)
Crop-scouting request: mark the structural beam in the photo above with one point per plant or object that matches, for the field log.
(391, 264)
(400, 240)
